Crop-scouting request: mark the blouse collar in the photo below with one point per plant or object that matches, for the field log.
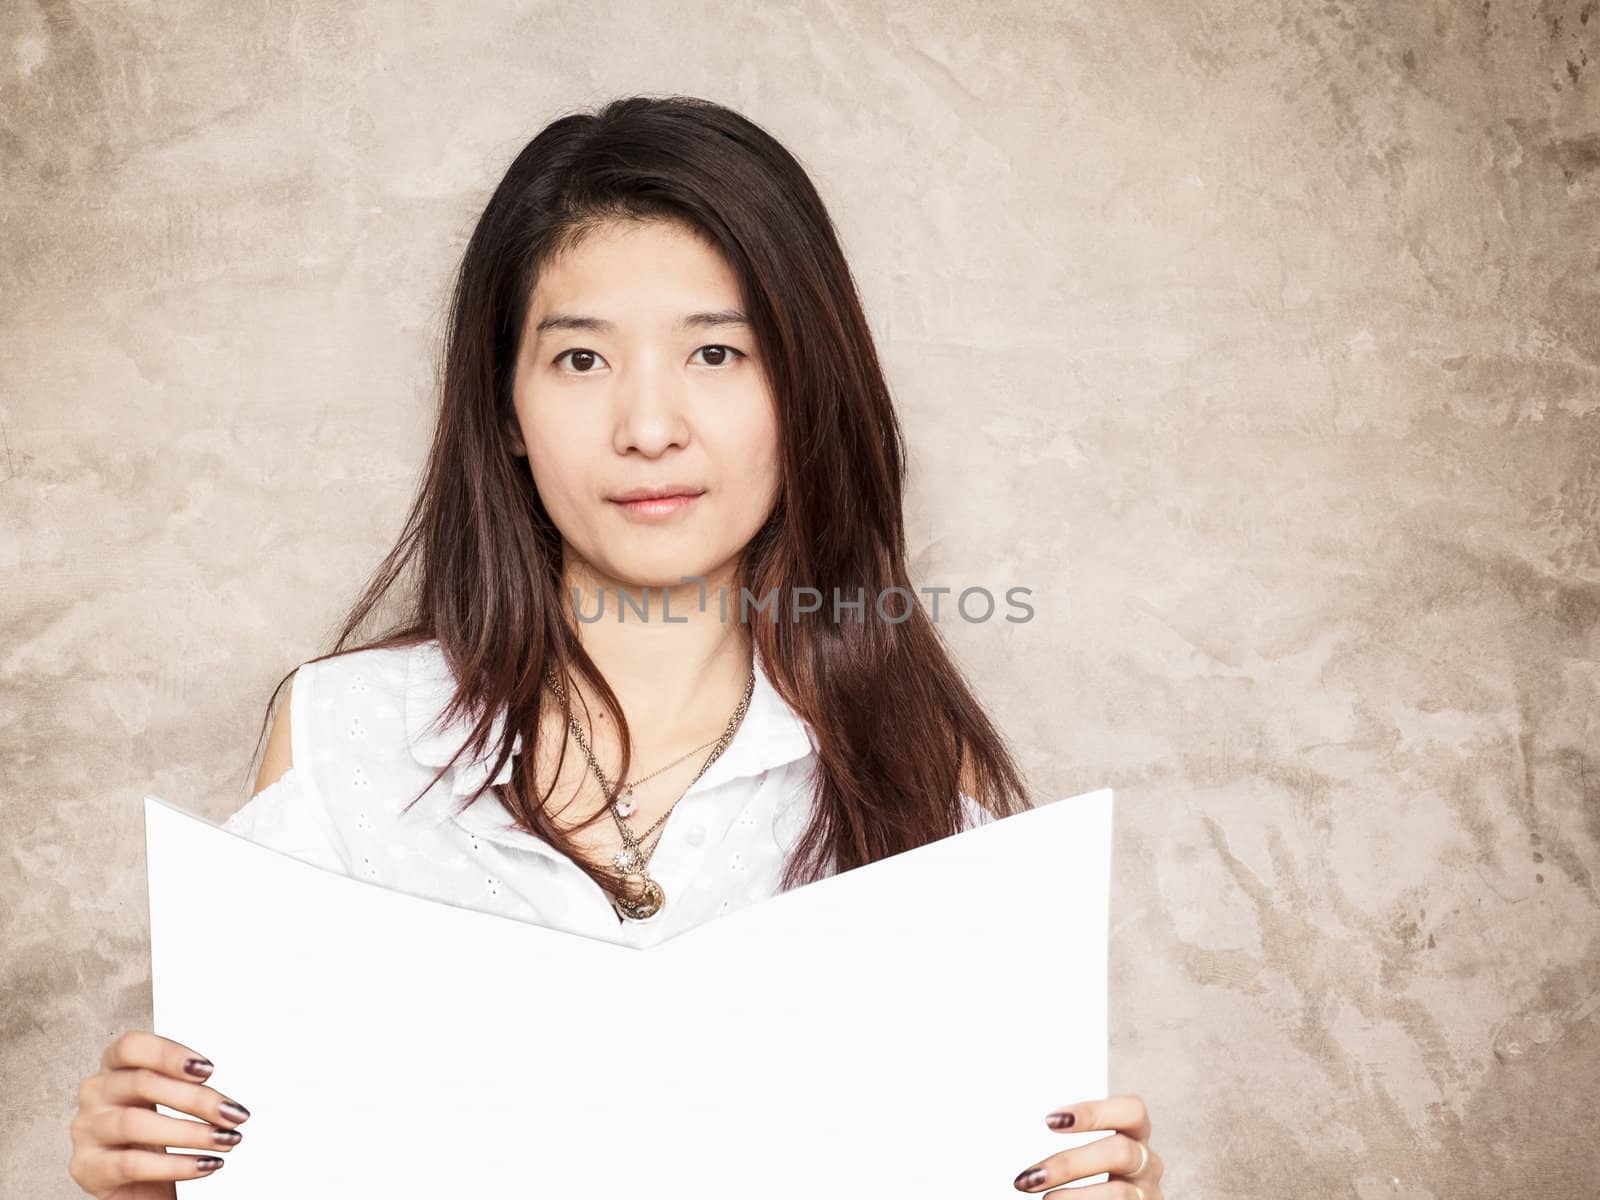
(770, 735)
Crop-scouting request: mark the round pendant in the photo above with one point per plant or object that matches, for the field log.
(647, 903)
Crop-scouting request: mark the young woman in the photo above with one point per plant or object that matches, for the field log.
(610, 703)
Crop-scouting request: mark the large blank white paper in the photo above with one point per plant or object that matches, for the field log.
(897, 1030)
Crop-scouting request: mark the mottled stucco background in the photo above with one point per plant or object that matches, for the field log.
(1261, 340)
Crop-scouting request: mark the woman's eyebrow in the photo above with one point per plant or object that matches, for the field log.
(718, 319)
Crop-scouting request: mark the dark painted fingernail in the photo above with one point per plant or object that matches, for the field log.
(198, 1067)
(1031, 1178)
(227, 1137)
(234, 1112)
(207, 1162)
(1060, 1120)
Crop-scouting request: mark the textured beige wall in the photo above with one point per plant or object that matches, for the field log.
(1261, 339)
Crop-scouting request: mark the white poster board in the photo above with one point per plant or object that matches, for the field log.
(898, 1030)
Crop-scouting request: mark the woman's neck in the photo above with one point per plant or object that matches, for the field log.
(675, 678)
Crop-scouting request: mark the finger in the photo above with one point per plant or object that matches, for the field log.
(141, 1048)
(141, 1085)
(1125, 1113)
(125, 1126)
(112, 1168)
(1116, 1155)
(1114, 1189)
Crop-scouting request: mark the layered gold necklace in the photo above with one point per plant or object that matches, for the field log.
(632, 859)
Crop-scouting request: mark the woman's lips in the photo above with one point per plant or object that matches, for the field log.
(661, 506)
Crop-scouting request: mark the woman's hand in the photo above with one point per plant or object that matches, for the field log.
(1135, 1169)
(118, 1138)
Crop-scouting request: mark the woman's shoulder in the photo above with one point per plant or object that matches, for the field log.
(351, 715)
(376, 672)
(349, 744)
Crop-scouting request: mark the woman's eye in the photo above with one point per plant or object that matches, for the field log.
(721, 353)
(582, 360)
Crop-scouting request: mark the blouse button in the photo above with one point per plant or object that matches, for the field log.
(696, 835)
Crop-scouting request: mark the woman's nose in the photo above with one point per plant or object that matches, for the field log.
(650, 415)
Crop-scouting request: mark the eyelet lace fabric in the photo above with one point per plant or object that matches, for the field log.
(367, 737)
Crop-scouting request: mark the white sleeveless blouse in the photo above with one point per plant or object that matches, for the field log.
(365, 740)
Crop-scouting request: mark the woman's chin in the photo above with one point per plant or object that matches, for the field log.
(639, 580)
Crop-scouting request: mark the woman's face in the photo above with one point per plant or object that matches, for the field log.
(638, 370)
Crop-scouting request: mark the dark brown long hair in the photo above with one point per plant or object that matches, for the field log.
(900, 733)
